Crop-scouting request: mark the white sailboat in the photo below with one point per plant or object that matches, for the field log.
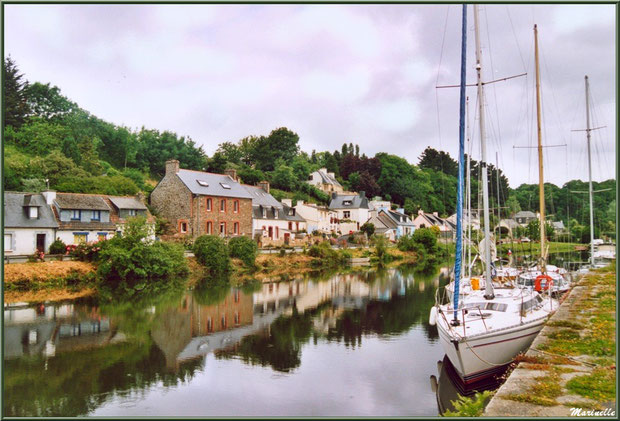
(483, 330)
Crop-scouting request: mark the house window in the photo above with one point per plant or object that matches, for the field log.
(132, 212)
(80, 237)
(223, 205)
(33, 212)
(183, 227)
(237, 319)
(277, 232)
(225, 186)
(209, 227)
(209, 325)
(222, 228)
(96, 216)
(236, 206)
(223, 321)
(76, 214)
(264, 213)
(8, 242)
(346, 214)
(290, 226)
(209, 204)
(275, 213)
(102, 236)
(236, 228)
(237, 296)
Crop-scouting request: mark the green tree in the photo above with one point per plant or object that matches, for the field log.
(280, 144)
(212, 252)
(47, 102)
(14, 101)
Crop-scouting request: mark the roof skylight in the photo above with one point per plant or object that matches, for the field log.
(202, 183)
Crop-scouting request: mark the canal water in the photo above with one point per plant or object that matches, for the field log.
(355, 343)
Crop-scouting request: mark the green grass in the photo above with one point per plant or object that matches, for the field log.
(600, 385)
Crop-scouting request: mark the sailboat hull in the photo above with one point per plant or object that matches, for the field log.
(481, 356)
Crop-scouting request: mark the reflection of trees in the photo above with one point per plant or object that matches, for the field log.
(280, 348)
(210, 291)
(75, 383)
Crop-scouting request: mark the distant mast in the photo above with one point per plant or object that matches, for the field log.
(590, 172)
(541, 181)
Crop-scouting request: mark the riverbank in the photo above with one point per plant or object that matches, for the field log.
(62, 280)
(570, 367)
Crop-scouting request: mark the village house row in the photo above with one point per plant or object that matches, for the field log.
(197, 203)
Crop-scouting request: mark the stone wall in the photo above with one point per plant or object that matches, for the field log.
(171, 200)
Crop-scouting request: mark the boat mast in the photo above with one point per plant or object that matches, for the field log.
(459, 193)
(541, 182)
(499, 216)
(590, 173)
(468, 192)
(483, 166)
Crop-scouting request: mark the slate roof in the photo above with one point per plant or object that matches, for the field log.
(127, 203)
(260, 197)
(15, 215)
(357, 202)
(525, 214)
(510, 223)
(80, 201)
(328, 179)
(213, 184)
(435, 220)
(33, 199)
(398, 218)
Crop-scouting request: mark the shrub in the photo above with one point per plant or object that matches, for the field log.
(131, 267)
(368, 228)
(381, 248)
(469, 406)
(86, 252)
(327, 256)
(58, 247)
(212, 252)
(243, 248)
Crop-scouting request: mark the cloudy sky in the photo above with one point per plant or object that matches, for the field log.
(365, 74)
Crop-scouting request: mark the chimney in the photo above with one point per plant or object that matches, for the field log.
(436, 214)
(362, 194)
(420, 212)
(50, 196)
(323, 170)
(172, 167)
(334, 195)
(232, 173)
(140, 197)
(264, 185)
(331, 174)
(288, 202)
(400, 210)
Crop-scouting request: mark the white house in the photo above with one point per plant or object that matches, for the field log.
(352, 210)
(325, 181)
(318, 218)
(274, 222)
(29, 223)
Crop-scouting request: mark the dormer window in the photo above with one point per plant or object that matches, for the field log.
(76, 214)
(225, 186)
(33, 212)
(202, 183)
(96, 216)
(347, 202)
(275, 213)
(264, 213)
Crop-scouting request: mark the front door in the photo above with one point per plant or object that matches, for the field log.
(41, 242)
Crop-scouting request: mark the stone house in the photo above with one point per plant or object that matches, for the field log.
(197, 203)
(325, 181)
(524, 217)
(29, 223)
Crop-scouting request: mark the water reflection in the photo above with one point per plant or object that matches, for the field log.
(448, 387)
(68, 359)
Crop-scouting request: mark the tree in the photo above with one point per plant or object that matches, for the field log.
(280, 144)
(368, 228)
(47, 102)
(438, 161)
(15, 104)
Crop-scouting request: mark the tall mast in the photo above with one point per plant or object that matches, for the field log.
(541, 181)
(468, 192)
(459, 193)
(499, 216)
(483, 165)
(590, 172)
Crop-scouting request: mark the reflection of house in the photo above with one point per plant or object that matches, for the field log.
(233, 311)
(325, 181)
(352, 210)
(524, 217)
(426, 220)
(198, 203)
(29, 223)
